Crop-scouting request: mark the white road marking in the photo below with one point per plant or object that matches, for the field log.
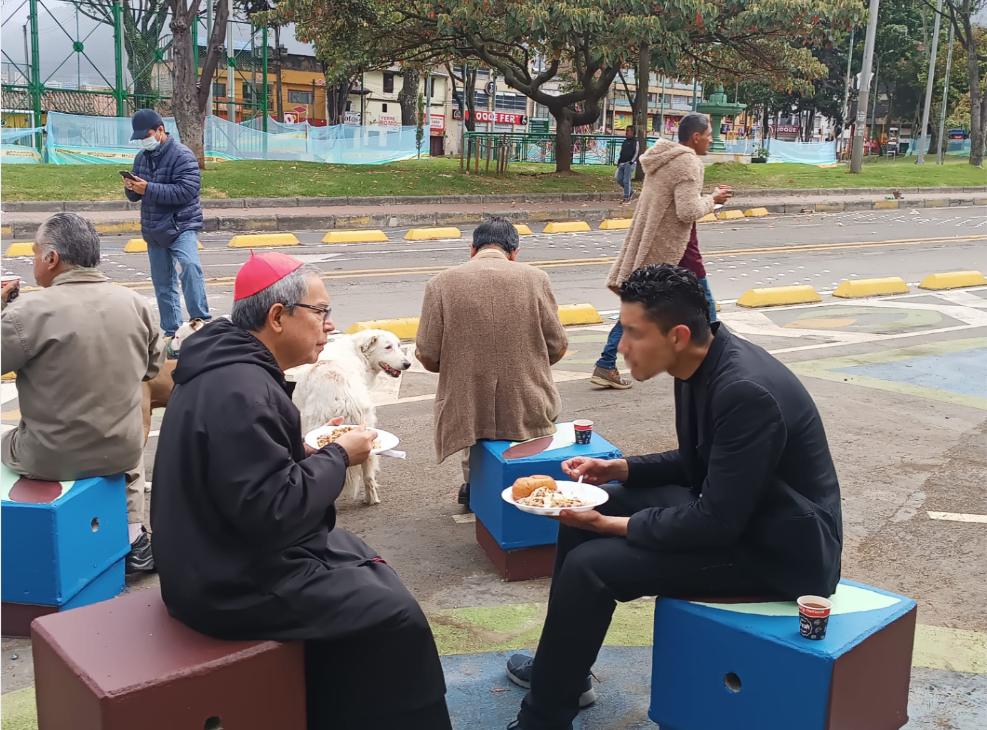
(957, 517)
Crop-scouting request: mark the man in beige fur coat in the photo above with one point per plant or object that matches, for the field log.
(670, 204)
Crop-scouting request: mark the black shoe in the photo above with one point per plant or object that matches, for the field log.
(464, 495)
(519, 672)
(140, 559)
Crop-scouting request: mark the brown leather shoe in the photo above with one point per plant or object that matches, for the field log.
(609, 379)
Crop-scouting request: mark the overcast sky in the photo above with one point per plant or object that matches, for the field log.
(97, 38)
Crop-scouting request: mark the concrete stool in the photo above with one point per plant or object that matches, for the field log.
(125, 664)
(745, 665)
(521, 546)
(63, 545)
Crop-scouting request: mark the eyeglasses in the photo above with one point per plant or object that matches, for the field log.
(326, 312)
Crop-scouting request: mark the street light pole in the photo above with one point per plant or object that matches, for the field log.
(857, 156)
(923, 144)
(941, 151)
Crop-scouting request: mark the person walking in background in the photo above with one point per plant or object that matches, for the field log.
(664, 221)
(166, 181)
(629, 151)
(490, 328)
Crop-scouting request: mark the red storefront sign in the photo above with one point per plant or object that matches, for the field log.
(495, 117)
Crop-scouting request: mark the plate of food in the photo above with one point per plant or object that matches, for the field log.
(542, 495)
(325, 435)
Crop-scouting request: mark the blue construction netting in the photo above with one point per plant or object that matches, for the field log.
(17, 145)
(803, 153)
(953, 147)
(75, 139)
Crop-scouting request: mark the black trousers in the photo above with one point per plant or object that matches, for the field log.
(352, 685)
(593, 572)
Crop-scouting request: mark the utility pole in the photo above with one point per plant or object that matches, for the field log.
(941, 152)
(923, 143)
(857, 156)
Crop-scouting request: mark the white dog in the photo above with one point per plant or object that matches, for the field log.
(339, 384)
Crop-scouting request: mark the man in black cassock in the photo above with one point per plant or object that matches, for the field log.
(244, 524)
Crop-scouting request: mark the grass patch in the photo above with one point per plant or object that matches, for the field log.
(272, 179)
(900, 173)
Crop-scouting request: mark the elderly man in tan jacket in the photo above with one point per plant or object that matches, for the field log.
(80, 348)
(490, 328)
(671, 202)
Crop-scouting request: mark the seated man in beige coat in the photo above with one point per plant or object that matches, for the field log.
(490, 328)
(80, 347)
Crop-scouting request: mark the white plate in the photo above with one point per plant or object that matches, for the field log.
(593, 496)
(385, 439)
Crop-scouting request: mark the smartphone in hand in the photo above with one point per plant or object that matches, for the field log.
(127, 174)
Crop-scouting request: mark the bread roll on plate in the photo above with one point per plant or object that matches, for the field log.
(524, 486)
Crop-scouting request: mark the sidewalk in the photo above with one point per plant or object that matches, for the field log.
(20, 220)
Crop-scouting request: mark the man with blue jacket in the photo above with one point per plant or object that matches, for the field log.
(166, 180)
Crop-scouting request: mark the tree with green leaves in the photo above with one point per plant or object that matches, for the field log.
(962, 15)
(190, 97)
(143, 23)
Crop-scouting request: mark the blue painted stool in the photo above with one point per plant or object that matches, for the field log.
(520, 545)
(63, 545)
(745, 665)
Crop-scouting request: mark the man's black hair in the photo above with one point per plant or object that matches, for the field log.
(670, 296)
(691, 123)
(496, 231)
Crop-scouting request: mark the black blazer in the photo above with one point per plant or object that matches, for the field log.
(753, 450)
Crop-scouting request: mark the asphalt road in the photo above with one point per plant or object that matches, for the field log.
(375, 281)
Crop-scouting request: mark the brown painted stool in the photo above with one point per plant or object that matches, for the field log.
(125, 663)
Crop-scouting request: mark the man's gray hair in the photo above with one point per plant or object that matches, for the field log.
(73, 237)
(250, 313)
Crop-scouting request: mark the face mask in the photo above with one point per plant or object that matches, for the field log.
(150, 143)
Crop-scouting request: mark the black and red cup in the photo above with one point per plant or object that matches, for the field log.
(814, 616)
(584, 431)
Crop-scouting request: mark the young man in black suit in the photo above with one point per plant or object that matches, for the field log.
(749, 504)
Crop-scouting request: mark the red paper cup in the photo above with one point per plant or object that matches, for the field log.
(584, 431)
(814, 616)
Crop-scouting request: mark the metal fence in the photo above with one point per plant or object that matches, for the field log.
(110, 58)
(502, 148)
